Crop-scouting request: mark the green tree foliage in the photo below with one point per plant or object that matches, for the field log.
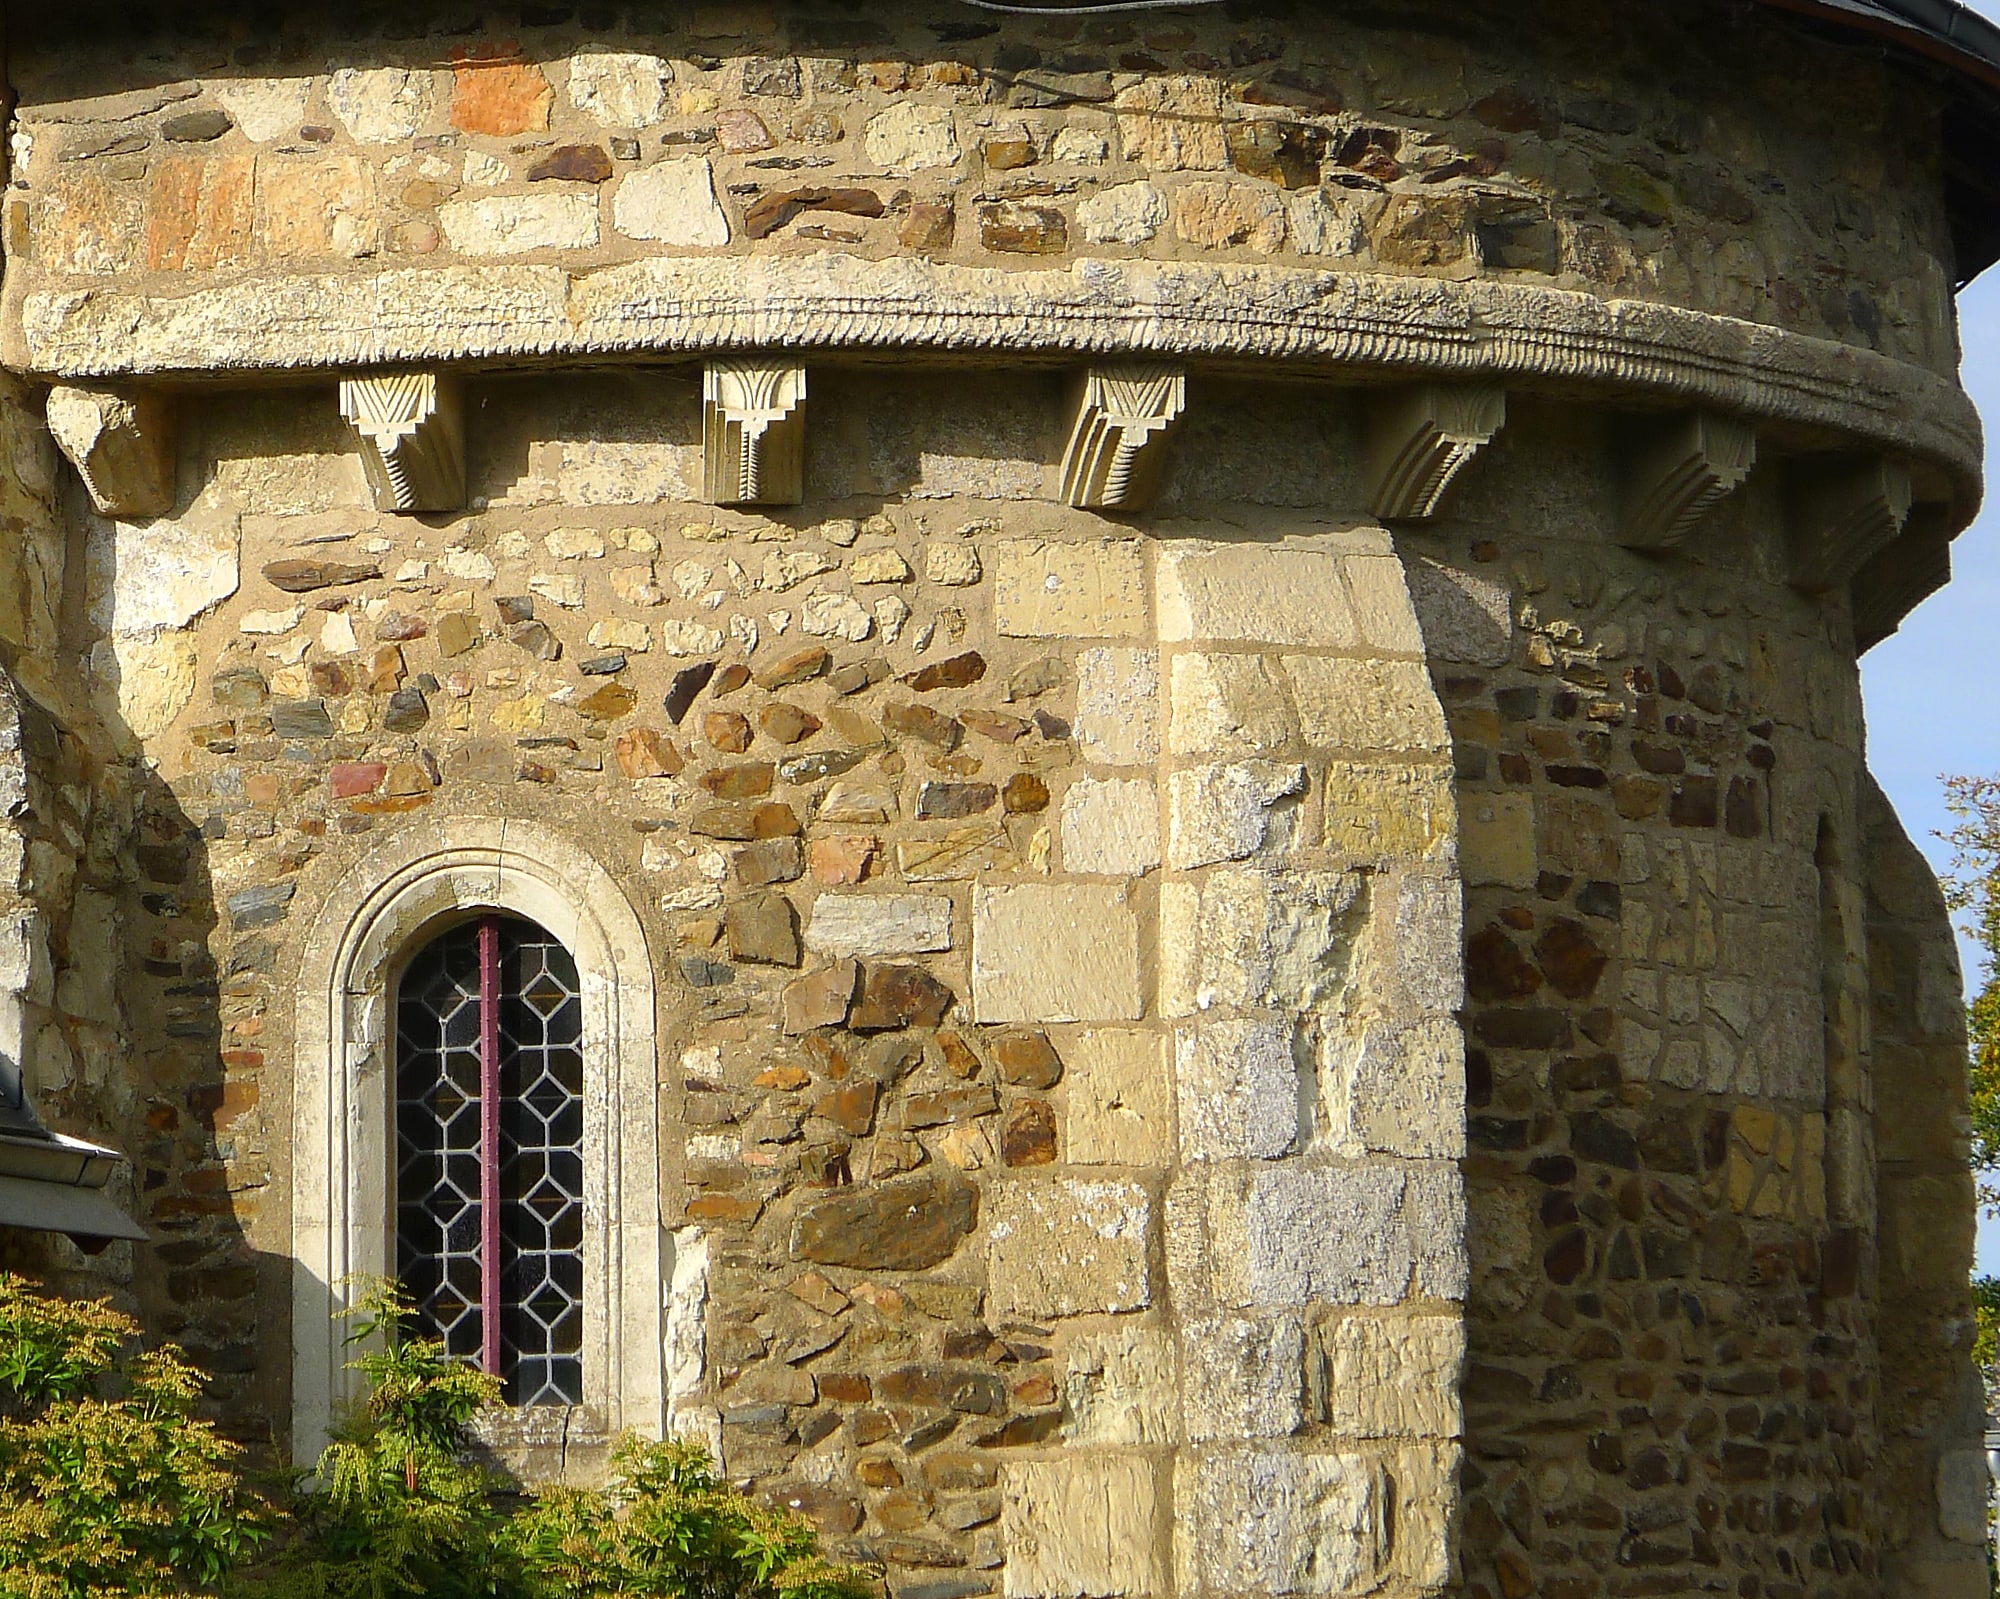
(131, 1495)
(1972, 889)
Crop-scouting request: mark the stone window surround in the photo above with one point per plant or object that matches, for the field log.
(379, 912)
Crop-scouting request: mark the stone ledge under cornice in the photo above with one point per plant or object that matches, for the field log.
(683, 306)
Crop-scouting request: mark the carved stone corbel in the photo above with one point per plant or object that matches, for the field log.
(753, 431)
(1117, 444)
(122, 446)
(412, 427)
(1902, 575)
(1681, 473)
(1842, 515)
(1420, 439)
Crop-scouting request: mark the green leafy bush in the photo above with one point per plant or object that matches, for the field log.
(131, 1495)
(108, 1483)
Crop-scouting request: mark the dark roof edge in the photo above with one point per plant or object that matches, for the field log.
(1943, 30)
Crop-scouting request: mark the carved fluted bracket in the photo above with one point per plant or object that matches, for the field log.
(1681, 472)
(1844, 514)
(1117, 444)
(753, 430)
(412, 427)
(1902, 575)
(122, 446)
(1420, 439)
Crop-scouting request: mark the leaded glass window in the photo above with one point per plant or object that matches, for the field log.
(489, 1153)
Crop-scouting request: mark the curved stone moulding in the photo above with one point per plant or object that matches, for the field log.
(1117, 440)
(1166, 311)
(412, 427)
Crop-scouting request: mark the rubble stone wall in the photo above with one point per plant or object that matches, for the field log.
(1218, 1050)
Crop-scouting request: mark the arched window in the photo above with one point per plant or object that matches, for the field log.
(489, 1152)
(386, 1175)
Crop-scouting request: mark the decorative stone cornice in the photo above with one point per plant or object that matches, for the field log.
(1419, 327)
(1420, 439)
(1117, 441)
(412, 427)
(1842, 514)
(753, 432)
(1680, 472)
(122, 446)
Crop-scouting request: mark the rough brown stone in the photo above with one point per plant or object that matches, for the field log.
(763, 928)
(949, 801)
(647, 752)
(1028, 1134)
(728, 731)
(821, 999)
(688, 682)
(774, 860)
(1027, 1059)
(1024, 794)
(930, 225)
(1015, 227)
(794, 668)
(787, 724)
(955, 672)
(850, 1107)
(1570, 959)
(747, 780)
(608, 703)
(572, 163)
(920, 721)
(772, 211)
(745, 822)
(304, 576)
(843, 858)
(899, 996)
(905, 1224)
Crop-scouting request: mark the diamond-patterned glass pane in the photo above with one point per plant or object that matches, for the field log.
(541, 1154)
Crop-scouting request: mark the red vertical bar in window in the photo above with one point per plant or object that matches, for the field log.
(489, 1144)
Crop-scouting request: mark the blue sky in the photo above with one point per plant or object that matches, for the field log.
(1929, 689)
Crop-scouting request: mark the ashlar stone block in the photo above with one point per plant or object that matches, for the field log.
(1227, 705)
(879, 924)
(1378, 811)
(1044, 589)
(1257, 1521)
(1120, 1386)
(1366, 705)
(1394, 1090)
(1081, 1527)
(1244, 939)
(1111, 827)
(1229, 812)
(1238, 1090)
(1254, 593)
(1242, 1379)
(1388, 1376)
(1119, 1099)
(1118, 706)
(1067, 1246)
(1055, 952)
(1289, 1233)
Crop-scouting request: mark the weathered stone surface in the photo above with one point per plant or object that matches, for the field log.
(647, 752)
(763, 928)
(905, 1224)
(265, 108)
(1242, 1379)
(151, 575)
(1238, 1090)
(1226, 813)
(1227, 705)
(497, 93)
(772, 211)
(1043, 952)
(1253, 1521)
(1223, 216)
(671, 202)
(910, 137)
(1128, 213)
(301, 576)
(1111, 828)
(1044, 589)
(1253, 593)
(1067, 1246)
(772, 860)
(1120, 1384)
(620, 88)
(1085, 1525)
(1173, 124)
(953, 801)
(572, 163)
(1119, 1106)
(879, 924)
(1118, 705)
(1350, 704)
(1395, 1090)
(514, 224)
(1014, 227)
(957, 671)
(1386, 1377)
(899, 996)
(821, 999)
(383, 105)
(1379, 811)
